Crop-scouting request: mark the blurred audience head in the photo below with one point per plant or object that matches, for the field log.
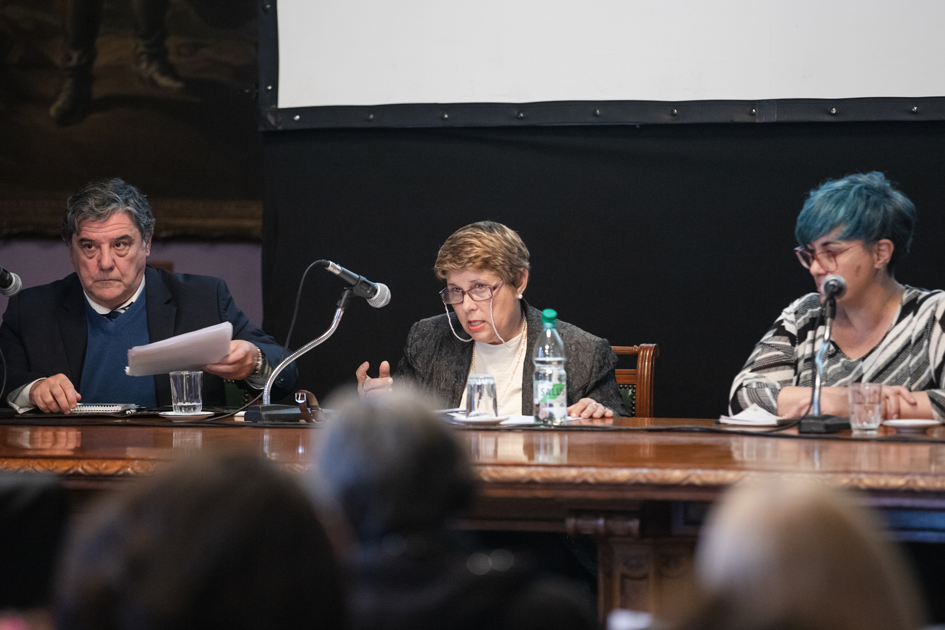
(866, 206)
(34, 510)
(391, 466)
(780, 554)
(222, 541)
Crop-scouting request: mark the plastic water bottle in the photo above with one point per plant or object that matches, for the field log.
(550, 381)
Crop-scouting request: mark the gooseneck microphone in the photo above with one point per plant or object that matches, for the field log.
(10, 283)
(833, 286)
(377, 294)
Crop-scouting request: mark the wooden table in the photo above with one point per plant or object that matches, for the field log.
(641, 494)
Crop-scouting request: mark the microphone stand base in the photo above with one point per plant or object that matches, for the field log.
(823, 424)
(273, 413)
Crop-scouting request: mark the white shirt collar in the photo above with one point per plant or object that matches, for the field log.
(104, 310)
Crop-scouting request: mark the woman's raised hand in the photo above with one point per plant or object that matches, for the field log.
(368, 386)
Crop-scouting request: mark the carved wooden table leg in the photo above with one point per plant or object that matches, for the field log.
(647, 574)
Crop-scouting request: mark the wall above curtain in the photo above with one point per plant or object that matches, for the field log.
(359, 63)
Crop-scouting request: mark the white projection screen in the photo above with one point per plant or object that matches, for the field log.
(369, 52)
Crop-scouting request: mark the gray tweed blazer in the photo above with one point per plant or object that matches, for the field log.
(439, 363)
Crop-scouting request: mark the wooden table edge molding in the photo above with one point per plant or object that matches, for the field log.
(598, 477)
(84, 470)
(88, 468)
(582, 480)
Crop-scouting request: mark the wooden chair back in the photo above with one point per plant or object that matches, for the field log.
(636, 384)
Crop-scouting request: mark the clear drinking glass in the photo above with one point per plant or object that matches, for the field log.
(185, 391)
(866, 407)
(481, 401)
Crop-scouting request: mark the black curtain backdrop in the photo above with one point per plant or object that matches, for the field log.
(679, 235)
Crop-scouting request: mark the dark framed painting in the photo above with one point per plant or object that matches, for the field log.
(160, 93)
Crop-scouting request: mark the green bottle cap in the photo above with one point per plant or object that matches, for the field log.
(548, 316)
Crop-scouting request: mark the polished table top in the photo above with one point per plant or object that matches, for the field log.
(627, 461)
(640, 487)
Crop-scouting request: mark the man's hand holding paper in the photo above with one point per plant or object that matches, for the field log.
(238, 364)
(191, 351)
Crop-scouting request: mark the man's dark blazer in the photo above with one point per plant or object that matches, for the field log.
(44, 330)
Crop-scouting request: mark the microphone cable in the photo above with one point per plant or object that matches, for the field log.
(232, 413)
(298, 298)
(288, 338)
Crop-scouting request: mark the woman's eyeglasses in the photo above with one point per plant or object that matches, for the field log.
(826, 258)
(479, 293)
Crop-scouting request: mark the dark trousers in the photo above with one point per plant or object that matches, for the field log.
(84, 17)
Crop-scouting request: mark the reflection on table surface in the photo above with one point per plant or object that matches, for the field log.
(50, 440)
(576, 447)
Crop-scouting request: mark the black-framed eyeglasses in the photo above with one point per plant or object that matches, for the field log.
(479, 293)
(826, 258)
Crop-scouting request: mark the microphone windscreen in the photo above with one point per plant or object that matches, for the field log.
(382, 298)
(833, 286)
(14, 287)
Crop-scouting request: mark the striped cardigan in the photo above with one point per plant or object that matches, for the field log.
(911, 354)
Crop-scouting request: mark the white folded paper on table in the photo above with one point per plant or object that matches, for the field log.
(753, 416)
(189, 351)
(519, 420)
(512, 421)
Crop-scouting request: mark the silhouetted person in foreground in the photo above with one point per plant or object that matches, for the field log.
(225, 541)
(787, 555)
(398, 475)
(34, 509)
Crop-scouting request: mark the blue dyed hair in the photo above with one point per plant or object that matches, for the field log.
(867, 206)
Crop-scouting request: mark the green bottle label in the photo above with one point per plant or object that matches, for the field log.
(553, 392)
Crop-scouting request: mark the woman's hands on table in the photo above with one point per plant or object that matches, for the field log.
(589, 408)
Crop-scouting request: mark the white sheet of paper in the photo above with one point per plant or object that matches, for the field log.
(512, 421)
(189, 351)
(518, 420)
(527, 420)
(753, 416)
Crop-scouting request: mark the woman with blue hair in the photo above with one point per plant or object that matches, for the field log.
(858, 227)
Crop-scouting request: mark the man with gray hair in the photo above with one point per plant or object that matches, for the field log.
(67, 341)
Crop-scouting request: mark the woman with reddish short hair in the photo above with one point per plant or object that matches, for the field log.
(493, 330)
